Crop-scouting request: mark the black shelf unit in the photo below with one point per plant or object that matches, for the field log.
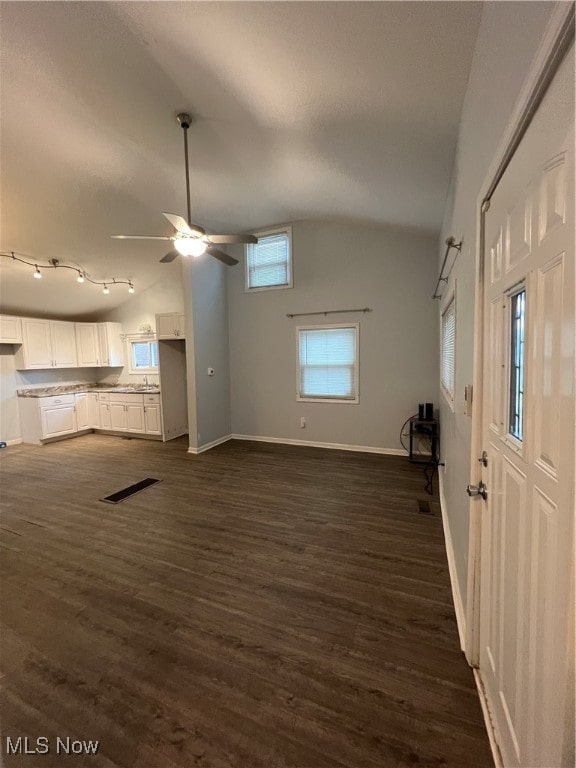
(423, 429)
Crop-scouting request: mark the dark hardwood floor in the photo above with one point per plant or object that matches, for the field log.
(264, 606)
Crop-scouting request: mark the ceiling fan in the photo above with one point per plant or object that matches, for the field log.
(190, 239)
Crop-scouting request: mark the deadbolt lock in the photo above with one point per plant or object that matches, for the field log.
(484, 459)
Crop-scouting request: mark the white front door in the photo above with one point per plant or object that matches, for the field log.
(526, 639)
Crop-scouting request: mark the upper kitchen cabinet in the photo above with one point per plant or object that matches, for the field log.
(99, 345)
(110, 344)
(87, 345)
(10, 330)
(47, 344)
(170, 325)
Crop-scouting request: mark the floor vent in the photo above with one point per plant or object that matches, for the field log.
(424, 507)
(125, 493)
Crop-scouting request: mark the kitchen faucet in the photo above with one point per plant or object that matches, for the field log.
(146, 380)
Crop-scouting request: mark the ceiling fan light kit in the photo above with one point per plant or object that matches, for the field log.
(190, 239)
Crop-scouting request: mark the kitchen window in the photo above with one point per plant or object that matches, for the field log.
(143, 357)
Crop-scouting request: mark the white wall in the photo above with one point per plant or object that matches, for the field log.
(508, 38)
(207, 347)
(338, 266)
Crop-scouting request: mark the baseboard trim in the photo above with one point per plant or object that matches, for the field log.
(207, 446)
(315, 444)
(456, 595)
(15, 441)
(497, 757)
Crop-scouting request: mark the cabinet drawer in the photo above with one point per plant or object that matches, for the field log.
(126, 398)
(56, 400)
(104, 397)
(151, 399)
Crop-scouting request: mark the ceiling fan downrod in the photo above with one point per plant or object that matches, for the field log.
(185, 121)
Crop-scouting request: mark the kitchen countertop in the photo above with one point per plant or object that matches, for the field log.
(67, 389)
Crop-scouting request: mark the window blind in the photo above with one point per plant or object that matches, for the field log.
(145, 354)
(268, 261)
(328, 363)
(448, 346)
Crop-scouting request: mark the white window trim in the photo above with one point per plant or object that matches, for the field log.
(130, 339)
(348, 401)
(266, 233)
(450, 298)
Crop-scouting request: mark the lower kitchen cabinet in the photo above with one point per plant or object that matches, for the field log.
(152, 420)
(58, 420)
(44, 418)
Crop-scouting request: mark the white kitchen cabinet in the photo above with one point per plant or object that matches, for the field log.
(87, 345)
(170, 325)
(82, 420)
(36, 349)
(93, 406)
(152, 422)
(105, 420)
(58, 421)
(135, 417)
(63, 336)
(110, 345)
(118, 417)
(46, 344)
(10, 330)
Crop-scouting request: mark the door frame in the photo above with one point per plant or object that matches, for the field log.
(557, 40)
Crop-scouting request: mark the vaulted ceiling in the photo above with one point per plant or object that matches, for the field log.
(301, 110)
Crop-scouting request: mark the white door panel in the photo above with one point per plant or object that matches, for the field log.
(526, 649)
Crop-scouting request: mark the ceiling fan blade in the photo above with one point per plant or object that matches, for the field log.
(233, 238)
(170, 256)
(181, 225)
(140, 237)
(221, 256)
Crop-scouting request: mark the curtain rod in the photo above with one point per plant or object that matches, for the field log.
(329, 312)
(450, 243)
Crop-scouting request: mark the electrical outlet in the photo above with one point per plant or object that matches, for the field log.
(302, 422)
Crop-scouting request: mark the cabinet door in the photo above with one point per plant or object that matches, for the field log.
(10, 330)
(103, 346)
(111, 344)
(181, 328)
(166, 326)
(87, 345)
(93, 411)
(36, 344)
(135, 417)
(82, 421)
(58, 420)
(152, 420)
(105, 421)
(118, 417)
(63, 337)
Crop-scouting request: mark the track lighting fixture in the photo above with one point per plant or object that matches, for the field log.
(82, 275)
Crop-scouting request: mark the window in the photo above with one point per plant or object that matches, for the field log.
(447, 349)
(268, 262)
(517, 321)
(143, 357)
(328, 363)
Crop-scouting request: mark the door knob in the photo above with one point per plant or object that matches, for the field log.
(477, 490)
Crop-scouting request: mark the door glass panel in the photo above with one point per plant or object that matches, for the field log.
(517, 324)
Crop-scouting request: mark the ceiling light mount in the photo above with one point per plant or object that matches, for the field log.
(184, 120)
